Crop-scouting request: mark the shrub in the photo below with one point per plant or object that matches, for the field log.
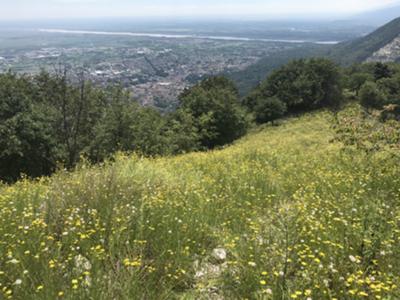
(371, 96)
(269, 110)
(301, 85)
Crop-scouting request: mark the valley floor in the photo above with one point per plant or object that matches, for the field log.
(285, 213)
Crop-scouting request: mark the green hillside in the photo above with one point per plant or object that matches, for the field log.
(250, 77)
(346, 53)
(359, 50)
(285, 213)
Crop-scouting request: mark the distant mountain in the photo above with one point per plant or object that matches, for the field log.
(380, 45)
(379, 17)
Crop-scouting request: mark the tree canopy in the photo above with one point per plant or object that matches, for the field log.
(300, 85)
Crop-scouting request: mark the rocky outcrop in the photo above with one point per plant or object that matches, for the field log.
(388, 53)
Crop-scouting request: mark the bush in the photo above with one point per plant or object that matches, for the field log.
(367, 132)
(269, 110)
(371, 96)
(301, 85)
(357, 80)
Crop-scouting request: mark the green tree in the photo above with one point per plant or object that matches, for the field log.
(269, 110)
(128, 127)
(181, 132)
(112, 132)
(303, 85)
(391, 88)
(28, 141)
(371, 96)
(214, 105)
(78, 106)
(148, 132)
(382, 70)
(357, 80)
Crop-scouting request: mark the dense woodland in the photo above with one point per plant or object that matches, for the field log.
(51, 121)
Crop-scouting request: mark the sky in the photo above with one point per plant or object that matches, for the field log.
(65, 9)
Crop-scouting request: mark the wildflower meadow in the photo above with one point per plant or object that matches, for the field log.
(286, 212)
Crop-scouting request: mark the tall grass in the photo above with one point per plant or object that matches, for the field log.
(298, 217)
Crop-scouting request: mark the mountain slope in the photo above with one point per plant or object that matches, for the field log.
(388, 53)
(283, 213)
(365, 48)
(380, 45)
(250, 77)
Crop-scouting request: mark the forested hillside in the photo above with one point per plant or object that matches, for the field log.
(249, 78)
(346, 53)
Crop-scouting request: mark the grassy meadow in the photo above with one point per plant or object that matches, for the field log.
(284, 213)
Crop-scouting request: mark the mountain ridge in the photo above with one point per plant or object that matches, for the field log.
(364, 48)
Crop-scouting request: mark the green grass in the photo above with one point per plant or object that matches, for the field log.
(298, 217)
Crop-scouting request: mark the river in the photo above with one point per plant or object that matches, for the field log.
(185, 36)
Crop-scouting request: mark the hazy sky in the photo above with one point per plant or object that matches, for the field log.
(39, 9)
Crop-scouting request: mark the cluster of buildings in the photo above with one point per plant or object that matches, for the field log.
(155, 70)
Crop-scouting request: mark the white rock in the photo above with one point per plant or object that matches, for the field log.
(352, 258)
(82, 263)
(219, 254)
